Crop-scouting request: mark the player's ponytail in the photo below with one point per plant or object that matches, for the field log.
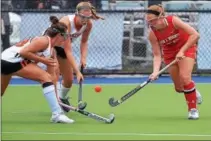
(54, 19)
(56, 27)
(95, 15)
(162, 11)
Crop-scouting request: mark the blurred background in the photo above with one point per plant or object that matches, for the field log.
(117, 45)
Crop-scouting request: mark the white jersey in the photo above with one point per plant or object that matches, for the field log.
(73, 31)
(12, 55)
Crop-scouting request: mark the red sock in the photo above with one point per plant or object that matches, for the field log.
(190, 95)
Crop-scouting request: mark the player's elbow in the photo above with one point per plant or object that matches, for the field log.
(196, 36)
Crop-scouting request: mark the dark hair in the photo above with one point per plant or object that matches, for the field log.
(56, 27)
(157, 10)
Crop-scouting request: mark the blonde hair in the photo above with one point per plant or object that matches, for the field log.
(157, 8)
(92, 8)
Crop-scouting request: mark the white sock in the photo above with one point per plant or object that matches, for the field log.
(62, 91)
(50, 95)
(58, 86)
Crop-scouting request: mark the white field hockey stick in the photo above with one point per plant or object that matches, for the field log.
(113, 102)
(86, 113)
(94, 116)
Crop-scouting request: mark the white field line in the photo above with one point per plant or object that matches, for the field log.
(108, 134)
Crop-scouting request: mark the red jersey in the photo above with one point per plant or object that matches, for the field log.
(171, 40)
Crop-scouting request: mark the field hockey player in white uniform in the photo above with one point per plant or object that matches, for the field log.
(22, 58)
(79, 24)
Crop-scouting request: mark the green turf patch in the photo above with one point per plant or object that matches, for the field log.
(156, 112)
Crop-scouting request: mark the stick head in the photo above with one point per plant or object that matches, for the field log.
(113, 102)
(82, 105)
(111, 119)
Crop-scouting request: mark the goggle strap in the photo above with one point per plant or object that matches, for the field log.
(153, 12)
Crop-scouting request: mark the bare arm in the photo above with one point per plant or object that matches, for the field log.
(68, 47)
(70, 57)
(54, 70)
(84, 42)
(38, 44)
(194, 35)
(156, 50)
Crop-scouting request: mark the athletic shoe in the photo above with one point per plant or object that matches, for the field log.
(65, 101)
(61, 118)
(199, 99)
(193, 114)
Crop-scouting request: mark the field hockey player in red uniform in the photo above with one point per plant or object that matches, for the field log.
(171, 38)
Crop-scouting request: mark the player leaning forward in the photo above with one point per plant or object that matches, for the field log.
(20, 60)
(78, 24)
(175, 39)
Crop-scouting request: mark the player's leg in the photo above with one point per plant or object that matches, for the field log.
(48, 90)
(175, 76)
(199, 98)
(191, 53)
(185, 68)
(67, 77)
(7, 68)
(5, 79)
(174, 73)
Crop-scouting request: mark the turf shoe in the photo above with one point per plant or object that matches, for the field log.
(199, 99)
(193, 114)
(61, 118)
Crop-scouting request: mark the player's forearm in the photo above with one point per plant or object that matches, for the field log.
(54, 70)
(191, 41)
(156, 63)
(84, 50)
(72, 61)
(32, 56)
(70, 57)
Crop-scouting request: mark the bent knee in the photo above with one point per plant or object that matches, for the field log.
(178, 87)
(46, 78)
(179, 90)
(185, 79)
(67, 82)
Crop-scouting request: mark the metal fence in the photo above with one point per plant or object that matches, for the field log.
(119, 44)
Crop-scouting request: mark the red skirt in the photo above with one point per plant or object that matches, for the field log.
(191, 53)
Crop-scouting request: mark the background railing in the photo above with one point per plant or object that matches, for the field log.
(119, 44)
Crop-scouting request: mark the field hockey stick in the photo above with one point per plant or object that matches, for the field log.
(86, 113)
(113, 102)
(108, 120)
(81, 105)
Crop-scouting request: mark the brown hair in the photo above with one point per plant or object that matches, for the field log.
(156, 8)
(56, 27)
(92, 8)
